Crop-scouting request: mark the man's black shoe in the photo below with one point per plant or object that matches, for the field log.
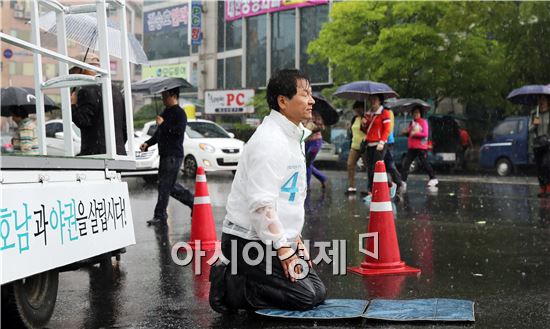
(217, 288)
(156, 222)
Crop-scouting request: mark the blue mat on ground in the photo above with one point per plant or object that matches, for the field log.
(331, 309)
(433, 309)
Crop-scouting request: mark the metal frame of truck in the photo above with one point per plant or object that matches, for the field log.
(84, 197)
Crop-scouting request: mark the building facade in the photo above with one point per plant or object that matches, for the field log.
(242, 42)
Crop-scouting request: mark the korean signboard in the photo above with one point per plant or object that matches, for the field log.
(165, 32)
(228, 101)
(236, 9)
(167, 71)
(51, 225)
(196, 21)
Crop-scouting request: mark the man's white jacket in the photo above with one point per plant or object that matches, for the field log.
(267, 196)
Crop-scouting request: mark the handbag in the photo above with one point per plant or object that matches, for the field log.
(542, 141)
(363, 147)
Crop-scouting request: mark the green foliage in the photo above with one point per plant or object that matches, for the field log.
(261, 109)
(243, 131)
(147, 113)
(475, 52)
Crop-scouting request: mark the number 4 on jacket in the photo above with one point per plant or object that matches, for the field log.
(290, 186)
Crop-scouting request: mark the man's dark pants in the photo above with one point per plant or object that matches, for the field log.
(542, 161)
(251, 288)
(169, 168)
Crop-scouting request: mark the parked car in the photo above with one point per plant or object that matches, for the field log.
(507, 146)
(205, 143)
(55, 145)
(146, 162)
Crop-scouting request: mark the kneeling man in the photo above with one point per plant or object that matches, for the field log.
(269, 265)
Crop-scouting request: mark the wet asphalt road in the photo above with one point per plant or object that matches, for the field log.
(480, 238)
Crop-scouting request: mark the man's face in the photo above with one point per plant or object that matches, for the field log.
(166, 98)
(16, 118)
(299, 107)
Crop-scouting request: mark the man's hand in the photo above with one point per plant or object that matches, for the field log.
(536, 121)
(287, 256)
(73, 98)
(159, 120)
(380, 146)
(143, 147)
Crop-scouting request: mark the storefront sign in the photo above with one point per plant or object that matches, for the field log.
(45, 226)
(166, 19)
(167, 71)
(228, 101)
(196, 22)
(236, 9)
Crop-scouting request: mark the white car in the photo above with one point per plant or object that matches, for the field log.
(54, 138)
(205, 144)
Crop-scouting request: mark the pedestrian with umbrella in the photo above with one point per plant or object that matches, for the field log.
(539, 129)
(418, 132)
(87, 113)
(405, 105)
(323, 113)
(25, 140)
(171, 125)
(18, 103)
(376, 123)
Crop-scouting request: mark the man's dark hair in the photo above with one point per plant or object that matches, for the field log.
(174, 92)
(20, 111)
(358, 104)
(283, 83)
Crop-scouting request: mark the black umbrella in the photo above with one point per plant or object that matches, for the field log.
(326, 110)
(158, 85)
(22, 98)
(407, 104)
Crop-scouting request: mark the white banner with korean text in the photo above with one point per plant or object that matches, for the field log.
(45, 226)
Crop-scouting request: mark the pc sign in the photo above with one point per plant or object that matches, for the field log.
(228, 101)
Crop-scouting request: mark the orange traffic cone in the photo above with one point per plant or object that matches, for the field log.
(202, 223)
(388, 258)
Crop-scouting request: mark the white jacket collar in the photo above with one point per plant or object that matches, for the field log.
(298, 132)
(380, 109)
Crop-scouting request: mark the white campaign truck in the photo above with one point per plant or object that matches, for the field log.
(60, 213)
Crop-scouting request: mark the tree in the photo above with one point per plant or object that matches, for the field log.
(431, 49)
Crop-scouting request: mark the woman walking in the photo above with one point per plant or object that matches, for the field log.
(417, 145)
(377, 127)
(313, 146)
(357, 137)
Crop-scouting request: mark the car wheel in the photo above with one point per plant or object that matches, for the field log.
(30, 302)
(504, 167)
(189, 166)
